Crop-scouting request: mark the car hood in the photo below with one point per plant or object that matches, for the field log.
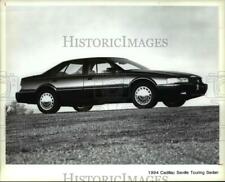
(164, 73)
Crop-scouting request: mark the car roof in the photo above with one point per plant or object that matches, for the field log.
(91, 59)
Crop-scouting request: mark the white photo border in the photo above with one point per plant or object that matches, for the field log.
(57, 172)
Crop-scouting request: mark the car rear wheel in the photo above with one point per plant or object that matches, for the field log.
(144, 96)
(83, 108)
(48, 102)
(174, 103)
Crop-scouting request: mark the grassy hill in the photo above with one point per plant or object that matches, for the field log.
(185, 135)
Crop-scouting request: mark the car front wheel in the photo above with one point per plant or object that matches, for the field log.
(83, 108)
(144, 96)
(174, 103)
(48, 102)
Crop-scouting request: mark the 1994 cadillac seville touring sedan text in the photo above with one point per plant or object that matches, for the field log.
(82, 83)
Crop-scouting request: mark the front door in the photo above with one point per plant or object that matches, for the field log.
(103, 83)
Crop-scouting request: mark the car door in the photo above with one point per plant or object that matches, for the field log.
(69, 83)
(104, 82)
(89, 82)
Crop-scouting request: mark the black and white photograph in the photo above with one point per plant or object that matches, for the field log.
(112, 84)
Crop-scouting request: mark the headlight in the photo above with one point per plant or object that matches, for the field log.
(177, 80)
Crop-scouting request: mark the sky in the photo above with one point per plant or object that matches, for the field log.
(34, 36)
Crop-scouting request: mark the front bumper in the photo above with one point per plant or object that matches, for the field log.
(26, 96)
(185, 91)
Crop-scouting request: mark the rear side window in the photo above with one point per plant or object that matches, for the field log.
(74, 69)
(62, 70)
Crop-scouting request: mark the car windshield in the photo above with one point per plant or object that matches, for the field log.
(126, 64)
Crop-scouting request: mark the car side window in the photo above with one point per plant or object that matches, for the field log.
(99, 68)
(92, 69)
(74, 69)
(103, 68)
(61, 71)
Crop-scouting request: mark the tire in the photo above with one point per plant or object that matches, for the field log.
(174, 103)
(144, 95)
(82, 108)
(48, 102)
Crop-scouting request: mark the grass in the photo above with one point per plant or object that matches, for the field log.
(186, 135)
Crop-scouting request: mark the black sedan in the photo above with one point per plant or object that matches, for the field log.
(82, 83)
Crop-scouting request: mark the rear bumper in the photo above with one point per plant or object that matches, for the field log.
(26, 96)
(186, 91)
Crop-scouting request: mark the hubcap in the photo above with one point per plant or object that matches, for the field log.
(46, 101)
(143, 95)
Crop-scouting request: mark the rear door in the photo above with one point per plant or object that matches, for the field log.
(69, 83)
